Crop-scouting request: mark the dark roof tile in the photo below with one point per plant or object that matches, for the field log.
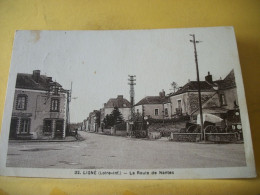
(153, 100)
(26, 81)
(119, 102)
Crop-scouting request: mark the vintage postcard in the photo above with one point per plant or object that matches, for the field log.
(126, 104)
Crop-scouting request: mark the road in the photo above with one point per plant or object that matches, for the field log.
(111, 152)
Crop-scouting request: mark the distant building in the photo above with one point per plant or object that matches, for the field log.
(39, 108)
(85, 124)
(156, 107)
(92, 123)
(121, 103)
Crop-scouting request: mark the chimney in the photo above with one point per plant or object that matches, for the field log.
(120, 97)
(36, 75)
(120, 101)
(162, 94)
(49, 79)
(208, 78)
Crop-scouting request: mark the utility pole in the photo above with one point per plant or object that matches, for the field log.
(132, 83)
(69, 92)
(198, 80)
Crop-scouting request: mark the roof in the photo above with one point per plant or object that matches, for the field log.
(26, 81)
(227, 82)
(153, 100)
(193, 86)
(119, 102)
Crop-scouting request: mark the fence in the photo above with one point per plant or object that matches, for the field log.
(185, 137)
(196, 137)
(221, 137)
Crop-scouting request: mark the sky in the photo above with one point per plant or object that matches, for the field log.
(98, 63)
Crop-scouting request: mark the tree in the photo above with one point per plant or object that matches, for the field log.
(117, 116)
(174, 86)
(114, 118)
(108, 121)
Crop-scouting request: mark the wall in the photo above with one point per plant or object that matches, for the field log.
(185, 137)
(149, 110)
(136, 14)
(190, 101)
(221, 137)
(169, 107)
(184, 105)
(38, 105)
(230, 96)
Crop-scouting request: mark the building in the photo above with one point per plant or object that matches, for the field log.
(40, 108)
(85, 124)
(121, 103)
(217, 96)
(156, 107)
(93, 121)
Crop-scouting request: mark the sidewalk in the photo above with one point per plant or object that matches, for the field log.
(66, 139)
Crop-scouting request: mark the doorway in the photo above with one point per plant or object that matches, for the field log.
(59, 128)
(13, 127)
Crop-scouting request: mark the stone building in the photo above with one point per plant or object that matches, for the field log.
(40, 108)
(217, 96)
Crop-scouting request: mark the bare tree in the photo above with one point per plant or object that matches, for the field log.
(174, 86)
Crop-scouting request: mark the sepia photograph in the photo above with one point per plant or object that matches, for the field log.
(126, 104)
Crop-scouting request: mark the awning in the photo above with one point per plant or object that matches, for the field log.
(211, 111)
(210, 118)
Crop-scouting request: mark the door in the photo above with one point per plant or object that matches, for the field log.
(59, 128)
(13, 127)
(47, 126)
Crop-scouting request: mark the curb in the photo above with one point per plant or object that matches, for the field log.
(38, 140)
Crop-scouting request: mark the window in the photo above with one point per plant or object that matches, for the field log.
(222, 100)
(166, 111)
(55, 105)
(25, 126)
(156, 112)
(47, 126)
(179, 104)
(21, 102)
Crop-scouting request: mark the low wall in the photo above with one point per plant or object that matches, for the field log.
(120, 133)
(154, 135)
(167, 128)
(221, 137)
(114, 132)
(185, 137)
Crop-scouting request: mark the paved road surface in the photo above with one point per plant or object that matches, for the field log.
(110, 152)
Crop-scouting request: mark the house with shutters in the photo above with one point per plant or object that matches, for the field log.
(40, 108)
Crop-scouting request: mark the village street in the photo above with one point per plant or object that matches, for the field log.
(111, 152)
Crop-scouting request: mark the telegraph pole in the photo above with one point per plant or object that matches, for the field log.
(132, 83)
(69, 92)
(199, 90)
